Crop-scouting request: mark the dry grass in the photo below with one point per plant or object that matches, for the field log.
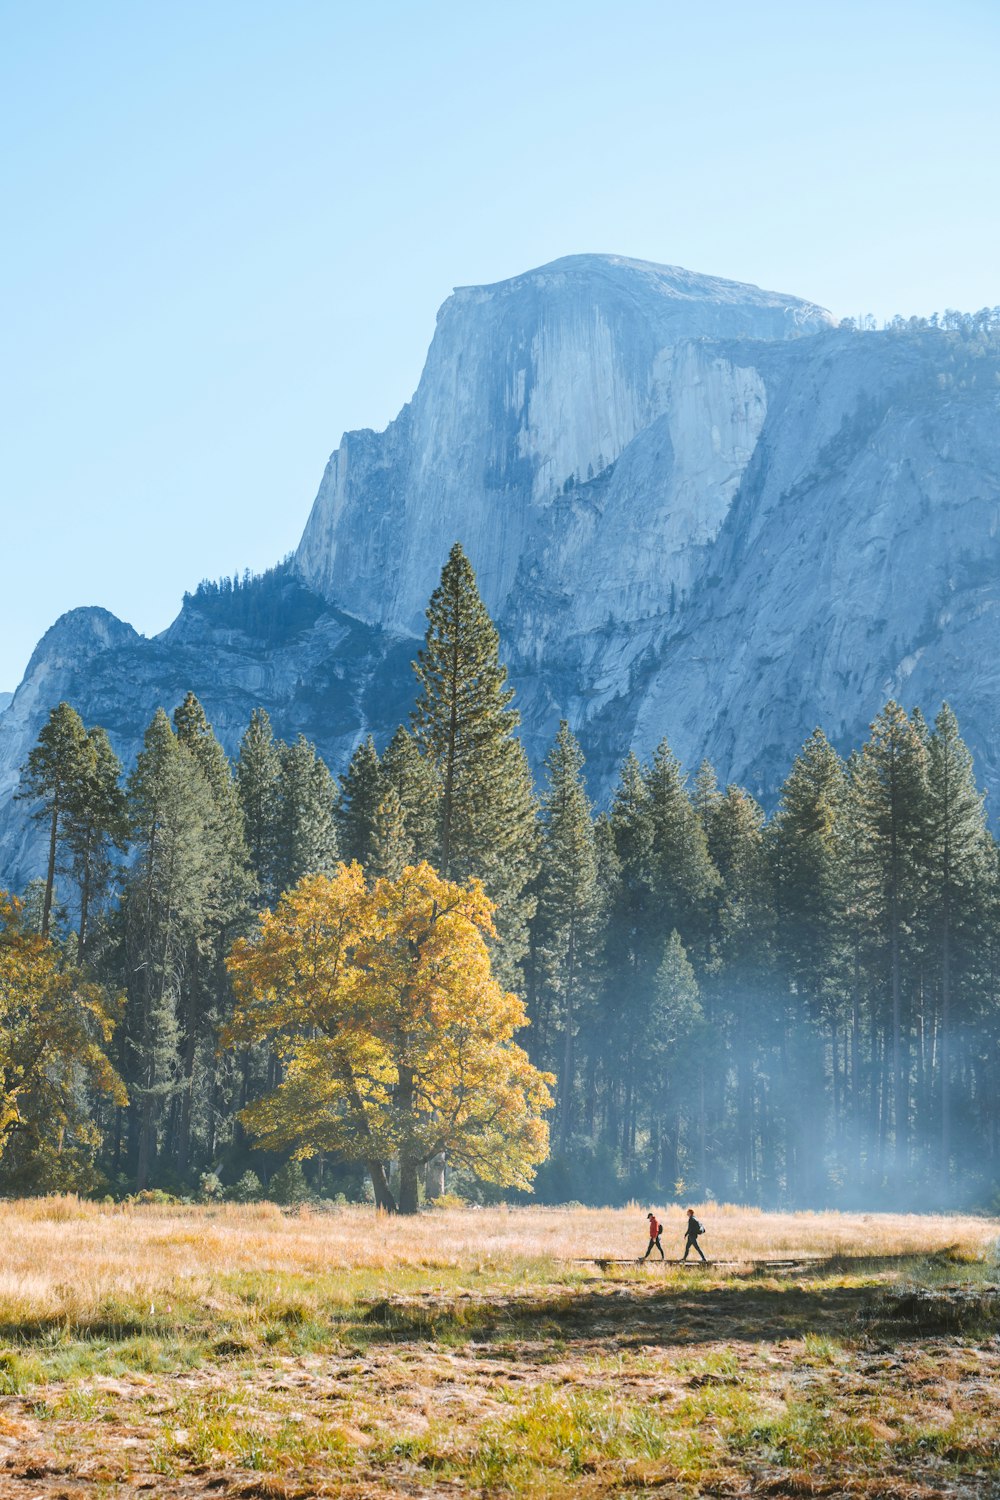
(243, 1351)
(62, 1256)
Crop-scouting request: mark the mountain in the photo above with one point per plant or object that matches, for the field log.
(695, 508)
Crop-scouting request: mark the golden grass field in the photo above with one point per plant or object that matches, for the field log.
(246, 1351)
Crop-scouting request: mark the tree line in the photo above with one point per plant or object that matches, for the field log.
(801, 1009)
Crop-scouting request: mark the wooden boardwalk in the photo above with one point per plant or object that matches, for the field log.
(778, 1264)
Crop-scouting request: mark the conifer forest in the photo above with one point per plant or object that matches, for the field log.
(793, 1010)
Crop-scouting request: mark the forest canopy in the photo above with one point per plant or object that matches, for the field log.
(794, 1010)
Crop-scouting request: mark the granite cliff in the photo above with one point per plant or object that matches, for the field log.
(695, 509)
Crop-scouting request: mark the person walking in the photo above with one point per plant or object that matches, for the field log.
(655, 1230)
(691, 1236)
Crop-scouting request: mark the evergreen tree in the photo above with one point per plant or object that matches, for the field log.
(676, 1028)
(706, 794)
(738, 986)
(415, 782)
(95, 827)
(568, 915)
(225, 912)
(958, 863)
(390, 847)
(164, 903)
(464, 725)
(895, 787)
(195, 733)
(683, 875)
(306, 841)
(807, 862)
(633, 948)
(361, 792)
(258, 778)
(52, 776)
(860, 864)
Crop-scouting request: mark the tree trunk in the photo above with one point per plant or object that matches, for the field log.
(380, 1186)
(409, 1174)
(434, 1176)
(84, 910)
(945, 1064)
(145, 1145)
(50, 871)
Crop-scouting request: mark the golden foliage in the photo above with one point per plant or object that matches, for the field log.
(54, 1028)
(395, 1039)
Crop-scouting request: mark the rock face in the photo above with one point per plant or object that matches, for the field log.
(695, 509)
(317, 671)
(531, 389)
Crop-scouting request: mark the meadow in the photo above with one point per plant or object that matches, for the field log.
(250, 1351)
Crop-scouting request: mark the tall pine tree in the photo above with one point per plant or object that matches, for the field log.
(306, 835)
(95, 828)
(52, 777)
(166, 898)
(958, 865)
(258, 777)
(895, 788)
(465, 726)
(361, 792)
(567, 921)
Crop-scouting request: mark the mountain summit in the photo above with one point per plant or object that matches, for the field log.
(695, 508)
(532, 386)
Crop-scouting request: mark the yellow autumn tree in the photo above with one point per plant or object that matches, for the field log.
(396, 1041)
(55, 1026)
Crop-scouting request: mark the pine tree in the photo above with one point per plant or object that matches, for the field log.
(860, 864)
(739, 984)
(676, 1033)
(52, 776)
(306, 834)
(258, 777)
(390, 847)
(706, 794)
(361, 792)
(567, 920)
(464, 725)
(958, 872)
(95, 827)
(224, 915)
(633, 947)
(164, 903)
(806, 857)
(417, 785)
(683, 875)
(895, 784)
(194, 732)
(807, 863)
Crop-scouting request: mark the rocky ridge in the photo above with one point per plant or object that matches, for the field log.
(695, 509)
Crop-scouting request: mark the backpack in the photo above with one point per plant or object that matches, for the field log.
(697, 1228)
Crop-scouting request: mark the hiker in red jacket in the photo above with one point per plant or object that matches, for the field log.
(655, 1230)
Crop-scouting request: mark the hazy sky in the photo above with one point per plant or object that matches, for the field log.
(228, 226)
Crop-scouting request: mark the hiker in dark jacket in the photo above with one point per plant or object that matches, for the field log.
(655, 1230)
(691, 1236)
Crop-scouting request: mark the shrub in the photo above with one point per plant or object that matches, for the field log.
(288, 1185)
(210, 1187)
(249, 1189)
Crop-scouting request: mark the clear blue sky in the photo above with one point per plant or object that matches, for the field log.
(228, 226)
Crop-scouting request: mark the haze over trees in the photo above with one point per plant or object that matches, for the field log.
(795, 1010)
